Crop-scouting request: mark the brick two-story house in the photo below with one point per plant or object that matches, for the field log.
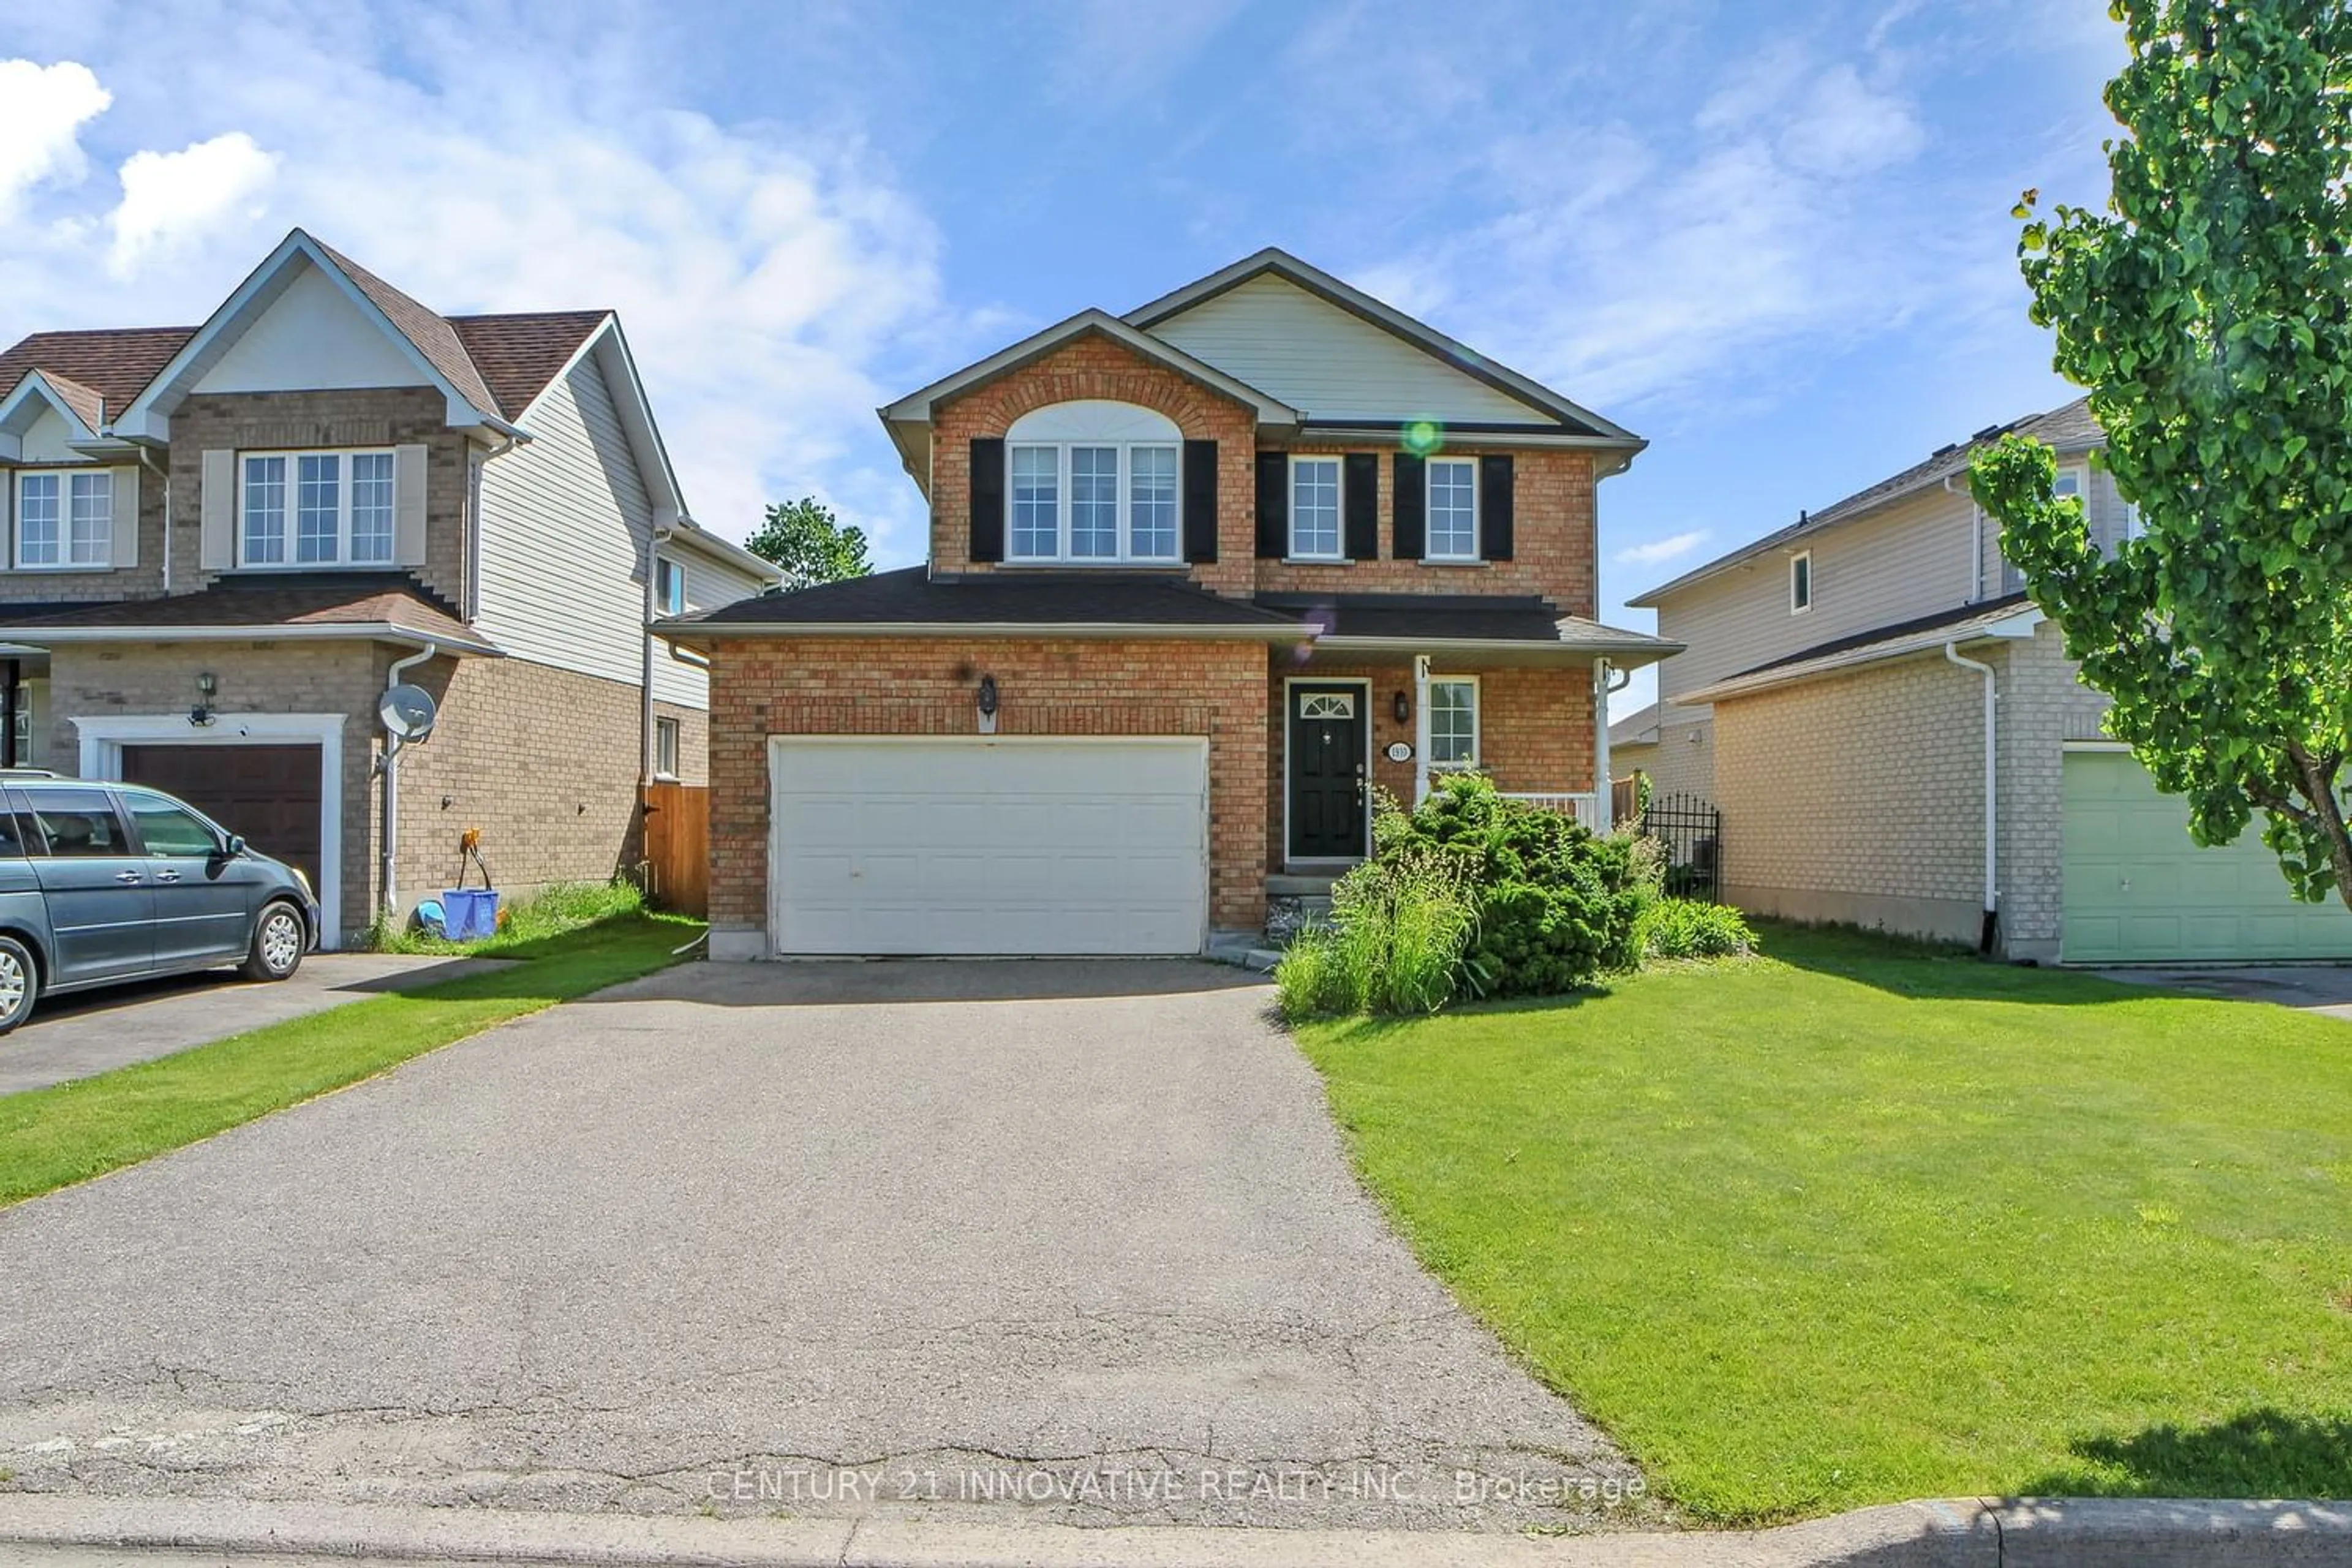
(223, 542)
(1895, 737)
(1201, 577)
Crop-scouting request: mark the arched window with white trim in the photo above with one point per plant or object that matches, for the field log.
(1093, 482)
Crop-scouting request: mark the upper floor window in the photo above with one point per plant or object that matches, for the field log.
(1801, 581)
(315, 509)
(65, 519)
(2066, 482)
(669, 587)
(1315, 509)
(1452, 510)
(1092, 481)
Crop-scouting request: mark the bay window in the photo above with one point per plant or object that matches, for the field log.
(315, 509)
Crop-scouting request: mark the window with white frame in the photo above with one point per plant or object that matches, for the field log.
(1801, 581)
(669, 587)
(1452, 516)
(665, 748)
(1453, 722)
(315, 509)
(1092, 481)
(1315, 509)
(65, 519)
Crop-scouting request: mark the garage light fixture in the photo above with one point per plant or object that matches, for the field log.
(201, 715)
(988, 705)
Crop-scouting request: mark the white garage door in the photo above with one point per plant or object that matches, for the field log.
(1009, 845)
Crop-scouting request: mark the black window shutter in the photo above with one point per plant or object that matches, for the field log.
(1362, 504)
(1494, 507)
(1199, 500)
(987, 497)
(1411, 506)
(1273, 506)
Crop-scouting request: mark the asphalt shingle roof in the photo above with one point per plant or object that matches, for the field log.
(245, 604)
(911, 596)
(111, 366)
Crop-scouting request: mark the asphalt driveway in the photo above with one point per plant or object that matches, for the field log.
(89, 1032)
(1072, 1239)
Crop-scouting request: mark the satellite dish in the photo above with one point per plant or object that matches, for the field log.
(408, 711)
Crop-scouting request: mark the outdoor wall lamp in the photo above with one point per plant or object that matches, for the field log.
(1401, 707)
(988, 705)
(201, 715)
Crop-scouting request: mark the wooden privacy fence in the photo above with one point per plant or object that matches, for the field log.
(678, 846)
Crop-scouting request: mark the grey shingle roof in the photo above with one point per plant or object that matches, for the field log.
(911, 596)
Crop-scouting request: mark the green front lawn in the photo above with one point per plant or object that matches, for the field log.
(1850, 1222)
(52, 1137)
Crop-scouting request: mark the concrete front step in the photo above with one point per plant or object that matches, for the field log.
(1290, 885)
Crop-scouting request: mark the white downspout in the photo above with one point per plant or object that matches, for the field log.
(1420, 728)
(1991, 813)
(654, 542)
(392, 746)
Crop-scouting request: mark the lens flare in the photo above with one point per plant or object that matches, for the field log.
(1423, 437)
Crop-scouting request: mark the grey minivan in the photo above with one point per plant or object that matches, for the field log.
(101, 883)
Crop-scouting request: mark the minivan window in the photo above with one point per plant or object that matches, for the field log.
(78, 822)
(168, 829)
(11, 845)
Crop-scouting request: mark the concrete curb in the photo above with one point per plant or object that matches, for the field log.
(1968, 1532)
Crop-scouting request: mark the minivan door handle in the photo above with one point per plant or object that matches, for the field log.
(167, 876)
(126, 876)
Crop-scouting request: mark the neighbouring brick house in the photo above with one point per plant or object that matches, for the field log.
(223, 542)
(1202, 579)
(1895, 738)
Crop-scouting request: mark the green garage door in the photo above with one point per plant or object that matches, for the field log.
(2138, 891)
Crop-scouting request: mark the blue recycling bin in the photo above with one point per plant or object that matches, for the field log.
(470, 913)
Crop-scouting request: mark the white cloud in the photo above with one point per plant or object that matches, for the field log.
(170, 199)
(769, 276)
(42, 111)
(1657, 552)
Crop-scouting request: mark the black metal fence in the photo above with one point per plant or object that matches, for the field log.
(1691, 829)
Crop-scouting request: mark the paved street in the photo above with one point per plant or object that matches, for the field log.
(1074, 1241)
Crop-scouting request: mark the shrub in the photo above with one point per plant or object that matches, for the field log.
(1393, 946)
(1555, 904)
(1687, 928)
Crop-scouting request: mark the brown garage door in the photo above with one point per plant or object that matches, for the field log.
(267, 793)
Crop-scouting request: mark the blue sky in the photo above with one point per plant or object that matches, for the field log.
(1773, 238)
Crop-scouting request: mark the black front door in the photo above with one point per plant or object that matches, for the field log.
(1326, 771)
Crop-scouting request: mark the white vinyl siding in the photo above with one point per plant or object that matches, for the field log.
(1312, 354)
(565, 522)
(1911, 559)
(684, 679)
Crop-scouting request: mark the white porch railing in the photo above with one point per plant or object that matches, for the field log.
(1584, 807)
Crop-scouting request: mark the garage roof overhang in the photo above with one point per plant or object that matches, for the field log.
(694, 633)
(43, 638)
(1996, 626)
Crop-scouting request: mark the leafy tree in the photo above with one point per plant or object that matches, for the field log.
(2206, 310)
(810, 544)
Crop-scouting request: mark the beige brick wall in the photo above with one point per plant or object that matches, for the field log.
(1858, 797)
(384, 416)
(1552, 512)
(824, 686)
(543, 761)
